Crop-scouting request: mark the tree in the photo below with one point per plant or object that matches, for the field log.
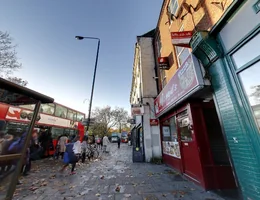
(8, 59)
(108, 119)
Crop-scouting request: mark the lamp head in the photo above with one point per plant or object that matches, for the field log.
(79, 37)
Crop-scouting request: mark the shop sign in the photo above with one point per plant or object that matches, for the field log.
(181, 38)
(137, 110)
(163, 63)
(154, 122)
(183, 83)
(171, 148)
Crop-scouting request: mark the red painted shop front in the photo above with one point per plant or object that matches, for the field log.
(192, 139)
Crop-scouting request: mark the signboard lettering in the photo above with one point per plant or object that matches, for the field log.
(181, 84)
(181, 38)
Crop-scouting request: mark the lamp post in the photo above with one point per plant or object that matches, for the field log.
(94, 75)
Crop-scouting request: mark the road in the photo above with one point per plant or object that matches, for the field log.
(113, 177)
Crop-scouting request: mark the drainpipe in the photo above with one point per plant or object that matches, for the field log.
(155, 68)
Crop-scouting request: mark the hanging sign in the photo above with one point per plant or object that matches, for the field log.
(181, 38)
(163, 63)
(154, 122)
(137, 110)
(184, 82)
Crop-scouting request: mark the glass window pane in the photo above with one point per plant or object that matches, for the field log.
(184, 129)
(248, 52)
(47, 108)
(30, 107)
(183, 56)
(72, 115)
(56, 132)
(178, 49)
(169, 130)
(80, 116)
(61, 111)
(251, 82)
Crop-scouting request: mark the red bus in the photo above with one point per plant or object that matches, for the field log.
(54, 117)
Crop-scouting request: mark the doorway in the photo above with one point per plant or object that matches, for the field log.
(189, 148)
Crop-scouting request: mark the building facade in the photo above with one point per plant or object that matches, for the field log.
(211, 133)
(144, 90)
(192, 138)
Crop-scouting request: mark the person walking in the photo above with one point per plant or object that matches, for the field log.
(62, 145)
(84, 149)
(105, 143)
(118, 142)
(71, 155)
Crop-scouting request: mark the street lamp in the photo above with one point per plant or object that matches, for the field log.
(94, 75)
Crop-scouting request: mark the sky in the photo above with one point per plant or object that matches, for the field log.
(57, 65)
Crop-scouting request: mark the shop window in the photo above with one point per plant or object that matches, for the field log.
(184, 128)
(251, 82)
(242, 56)
(169, 130)
(61, 111)
(47, 108)
(72, 115)
(170, 138)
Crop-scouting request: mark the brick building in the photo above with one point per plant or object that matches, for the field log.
(209, 98)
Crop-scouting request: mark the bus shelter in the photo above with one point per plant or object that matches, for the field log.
(12, 159)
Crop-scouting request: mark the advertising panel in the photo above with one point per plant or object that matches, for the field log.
(172, 149)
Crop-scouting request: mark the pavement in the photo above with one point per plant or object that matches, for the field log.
(112, 177)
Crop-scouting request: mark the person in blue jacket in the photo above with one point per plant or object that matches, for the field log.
(71, 156)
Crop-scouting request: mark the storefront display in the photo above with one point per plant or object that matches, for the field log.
(172, 149)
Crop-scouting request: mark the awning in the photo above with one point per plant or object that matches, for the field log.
(14, 94)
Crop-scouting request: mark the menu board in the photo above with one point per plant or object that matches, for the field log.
(172, 149)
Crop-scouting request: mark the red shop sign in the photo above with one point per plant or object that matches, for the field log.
(154, 122)
(163, 63)
(181, 38)
(181, 84)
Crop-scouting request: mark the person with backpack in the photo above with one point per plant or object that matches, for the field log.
(71, 155)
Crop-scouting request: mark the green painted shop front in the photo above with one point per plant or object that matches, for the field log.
(235, 78)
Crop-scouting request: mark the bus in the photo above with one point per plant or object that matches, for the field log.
(53, 117)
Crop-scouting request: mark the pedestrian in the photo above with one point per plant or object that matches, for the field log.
(105, 143)
(62, 145)
(71, 155)
(99, 142)
(118, 142)
(84, 149)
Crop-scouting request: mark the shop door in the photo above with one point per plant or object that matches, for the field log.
(189, 149)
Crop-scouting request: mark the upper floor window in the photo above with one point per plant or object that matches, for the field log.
(61, 111)
(47, 108)
(173, 6)
(80, 116)
(163, 77)
(182, 54)
(72, 115)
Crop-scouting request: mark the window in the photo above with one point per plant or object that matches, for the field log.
(251, 83)
(47, 108)
(72, 115)
(61, 111)
(248, 73)
(163, 77)
(169, 130)
(30, 106)
(56, 132)
(80, 116)
(173, 6)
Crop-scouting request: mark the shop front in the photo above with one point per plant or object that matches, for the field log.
(192, 140)
(236, 89)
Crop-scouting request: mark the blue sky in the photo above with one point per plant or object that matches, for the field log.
(56, 64)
